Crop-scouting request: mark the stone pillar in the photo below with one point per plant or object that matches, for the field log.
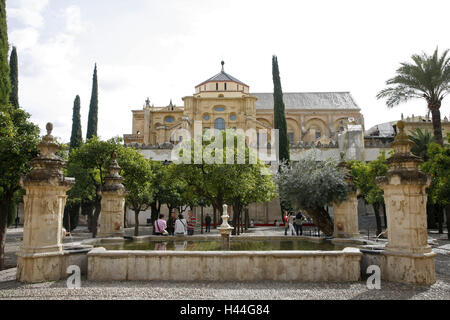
(113, 203)
(408, 257)
(346, 213)
(40, 257)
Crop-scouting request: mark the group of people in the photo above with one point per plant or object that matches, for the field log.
(178, 226)
(293, 223)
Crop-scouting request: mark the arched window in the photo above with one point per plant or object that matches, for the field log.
(217, 87)
(219, 124)
(225, 86)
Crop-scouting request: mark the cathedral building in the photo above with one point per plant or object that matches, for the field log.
(223, 102)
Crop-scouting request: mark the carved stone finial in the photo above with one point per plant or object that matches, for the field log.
(113, 181)
(223, 63)
(49, 128)
(47, 165)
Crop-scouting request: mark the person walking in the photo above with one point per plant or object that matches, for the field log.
(171, 223)
(291, 224)
(286, 223)
(298, 223)
(208, 223)
(180, 226)
(191, 222)
(160, 226)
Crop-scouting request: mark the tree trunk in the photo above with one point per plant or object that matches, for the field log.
(86, 210)
(447, 215)
(136, 223)
(431, 217)
(437, 126)
(247, 219)
(323, 220)
(215, 217)
(125, 217)
(439, 213)
(201, 220)
(3, 229)
(97, 210)
(376, 208)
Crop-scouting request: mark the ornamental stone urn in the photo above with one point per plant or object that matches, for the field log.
(408, 257)
(113, 202)
(40, 257)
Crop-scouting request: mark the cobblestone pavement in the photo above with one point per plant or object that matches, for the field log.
(270, 290)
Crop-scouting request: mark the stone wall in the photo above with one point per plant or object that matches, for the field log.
(310, 266)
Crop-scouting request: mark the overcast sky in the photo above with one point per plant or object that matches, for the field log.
(162, 49)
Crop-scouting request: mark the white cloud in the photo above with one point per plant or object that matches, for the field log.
(74, 23)
(162, 49)
(24, 38)
(29, 12)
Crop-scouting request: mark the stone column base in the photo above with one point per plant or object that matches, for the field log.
(41, 267)
(409, 268)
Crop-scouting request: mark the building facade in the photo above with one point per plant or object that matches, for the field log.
(223, 102)
(329, 121)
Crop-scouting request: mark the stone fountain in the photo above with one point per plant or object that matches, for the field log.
(225, 229)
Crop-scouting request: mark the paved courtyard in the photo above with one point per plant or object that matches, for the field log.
(159, 290)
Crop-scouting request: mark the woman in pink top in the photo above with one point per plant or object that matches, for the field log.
(160, 225)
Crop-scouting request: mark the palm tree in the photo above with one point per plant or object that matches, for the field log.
(421, 142)
(427, 78)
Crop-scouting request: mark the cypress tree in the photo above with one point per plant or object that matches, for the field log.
(279, 113)
(93, 108)
(76, 138)
(5, 86)
(14, 78)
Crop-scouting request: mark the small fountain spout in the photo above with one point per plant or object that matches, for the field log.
(378, 236)
(225, 229)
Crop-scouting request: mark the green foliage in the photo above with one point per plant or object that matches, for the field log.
(438, 166)
(426, 78)
(138, 178)
(89, 164)
(18, 145)
(93, 108)
(421, 142)
(364, 178)
(14, 78)
(309, 184)
(5, 86)
(76, 138)
(279, 113)
(235, 184)
(18, 141)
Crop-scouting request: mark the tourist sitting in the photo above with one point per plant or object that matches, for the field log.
(160, 226)
(171, 223)
(180, 226)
